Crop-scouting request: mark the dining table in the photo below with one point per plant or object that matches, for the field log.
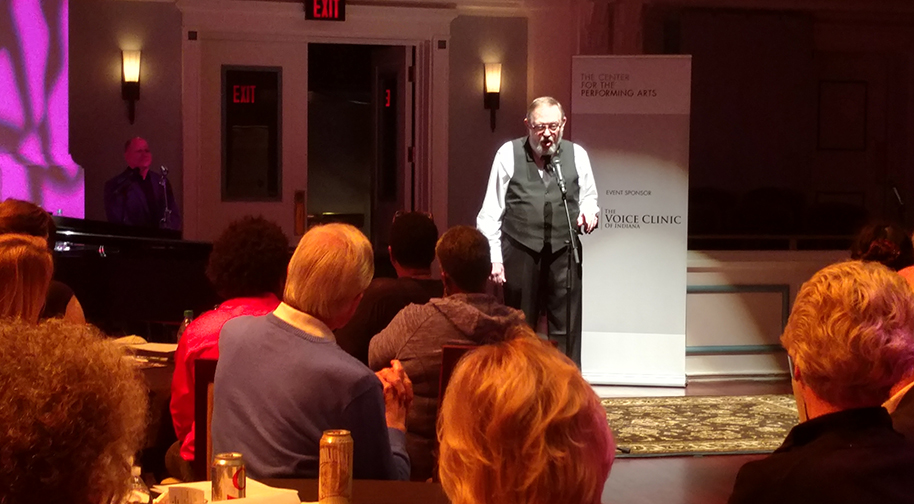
(371, 491)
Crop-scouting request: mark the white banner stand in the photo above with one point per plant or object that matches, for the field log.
(631, 114)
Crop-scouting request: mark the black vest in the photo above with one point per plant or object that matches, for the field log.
(534, 212)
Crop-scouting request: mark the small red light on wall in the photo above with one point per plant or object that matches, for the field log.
(387, 98)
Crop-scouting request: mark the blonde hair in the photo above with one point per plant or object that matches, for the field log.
(332, 264)
(519, 425)
(74, 411)
(851, 333)
(25, 274)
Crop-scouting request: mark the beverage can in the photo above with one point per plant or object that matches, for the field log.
(335, 477)
(228, 476)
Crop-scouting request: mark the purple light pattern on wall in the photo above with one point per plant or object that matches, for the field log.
(35, 162)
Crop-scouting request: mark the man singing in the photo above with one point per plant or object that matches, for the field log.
(523, 217)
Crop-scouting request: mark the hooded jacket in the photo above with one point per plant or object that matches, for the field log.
(415, 337)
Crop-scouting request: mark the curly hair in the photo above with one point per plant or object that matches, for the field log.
(26, 268)
(249, 259)
(73, 412)
(537, 433)
(332, 264)
(412, 239)
(851, 333)
(463, 254)
(886, 243)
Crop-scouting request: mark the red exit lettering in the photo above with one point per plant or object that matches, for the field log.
(327, 9)
(243, 94)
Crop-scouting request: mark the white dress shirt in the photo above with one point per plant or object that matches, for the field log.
(493, 206)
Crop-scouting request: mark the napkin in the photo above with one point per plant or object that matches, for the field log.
(200, 492)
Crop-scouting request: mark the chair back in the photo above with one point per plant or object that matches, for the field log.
(450, 356)
(204, 377)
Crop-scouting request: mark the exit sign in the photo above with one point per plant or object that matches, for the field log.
(325, 10)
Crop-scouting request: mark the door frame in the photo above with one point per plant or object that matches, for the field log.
(426, 28)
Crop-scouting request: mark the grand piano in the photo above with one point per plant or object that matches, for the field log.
(132, 280)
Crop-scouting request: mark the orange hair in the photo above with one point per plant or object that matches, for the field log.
(25, 273)
(851, 333)
(519, 425)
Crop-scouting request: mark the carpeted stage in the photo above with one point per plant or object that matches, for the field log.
(700, 425)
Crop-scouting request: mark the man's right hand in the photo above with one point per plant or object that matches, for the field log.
(498, 273)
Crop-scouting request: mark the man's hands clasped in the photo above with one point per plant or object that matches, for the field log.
(398, 394)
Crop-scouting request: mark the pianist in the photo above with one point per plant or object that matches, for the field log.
(140, 196)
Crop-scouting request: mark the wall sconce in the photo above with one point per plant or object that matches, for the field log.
(492, 89)
(130, 81)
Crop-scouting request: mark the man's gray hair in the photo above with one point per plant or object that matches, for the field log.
(544, 101)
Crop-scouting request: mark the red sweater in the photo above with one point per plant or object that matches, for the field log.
(201, 341)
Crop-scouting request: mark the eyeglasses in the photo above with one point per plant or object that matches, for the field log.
(539, 128)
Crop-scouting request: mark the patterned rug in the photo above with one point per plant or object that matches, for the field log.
(700, 425)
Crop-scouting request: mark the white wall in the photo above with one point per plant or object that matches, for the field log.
(736, 307)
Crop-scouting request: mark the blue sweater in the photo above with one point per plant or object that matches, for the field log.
(278, 389)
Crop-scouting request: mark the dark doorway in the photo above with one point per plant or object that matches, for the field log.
(359, 135)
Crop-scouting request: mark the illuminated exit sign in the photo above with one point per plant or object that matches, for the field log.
(325, 10)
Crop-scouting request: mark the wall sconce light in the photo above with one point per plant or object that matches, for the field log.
(130, 81)
(492, 89)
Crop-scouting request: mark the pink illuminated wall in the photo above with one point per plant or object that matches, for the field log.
(35, 163)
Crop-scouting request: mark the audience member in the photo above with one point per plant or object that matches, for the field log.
(22, 217)
(282, 380)
(25, 272)
(850, 337)
(465, 315)
(886, 243)
(139, 196)
(519, 425)
(73, 412)
(248, 268)
(412, 250)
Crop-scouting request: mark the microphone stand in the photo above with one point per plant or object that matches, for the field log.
(574, 252)
(166, 215)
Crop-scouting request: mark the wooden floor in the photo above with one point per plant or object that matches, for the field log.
(681, 480)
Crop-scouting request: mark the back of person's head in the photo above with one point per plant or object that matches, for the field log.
(463, 254)
(249, 259)
(519, 425)
(23, 217)
(886, 243)
(851, 333)
(26, 268)
(332, 264)
(73, 412)
(412, 239)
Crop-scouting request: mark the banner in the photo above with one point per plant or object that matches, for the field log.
(631, 115)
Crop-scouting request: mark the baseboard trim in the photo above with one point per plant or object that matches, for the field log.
(658, 380)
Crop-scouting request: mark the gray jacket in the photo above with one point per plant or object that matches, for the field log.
(415, 337)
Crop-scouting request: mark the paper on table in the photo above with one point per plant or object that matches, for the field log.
(165, 348)
(257, 493)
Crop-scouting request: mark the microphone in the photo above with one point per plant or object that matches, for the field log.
(897, 194)
(557, 172)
